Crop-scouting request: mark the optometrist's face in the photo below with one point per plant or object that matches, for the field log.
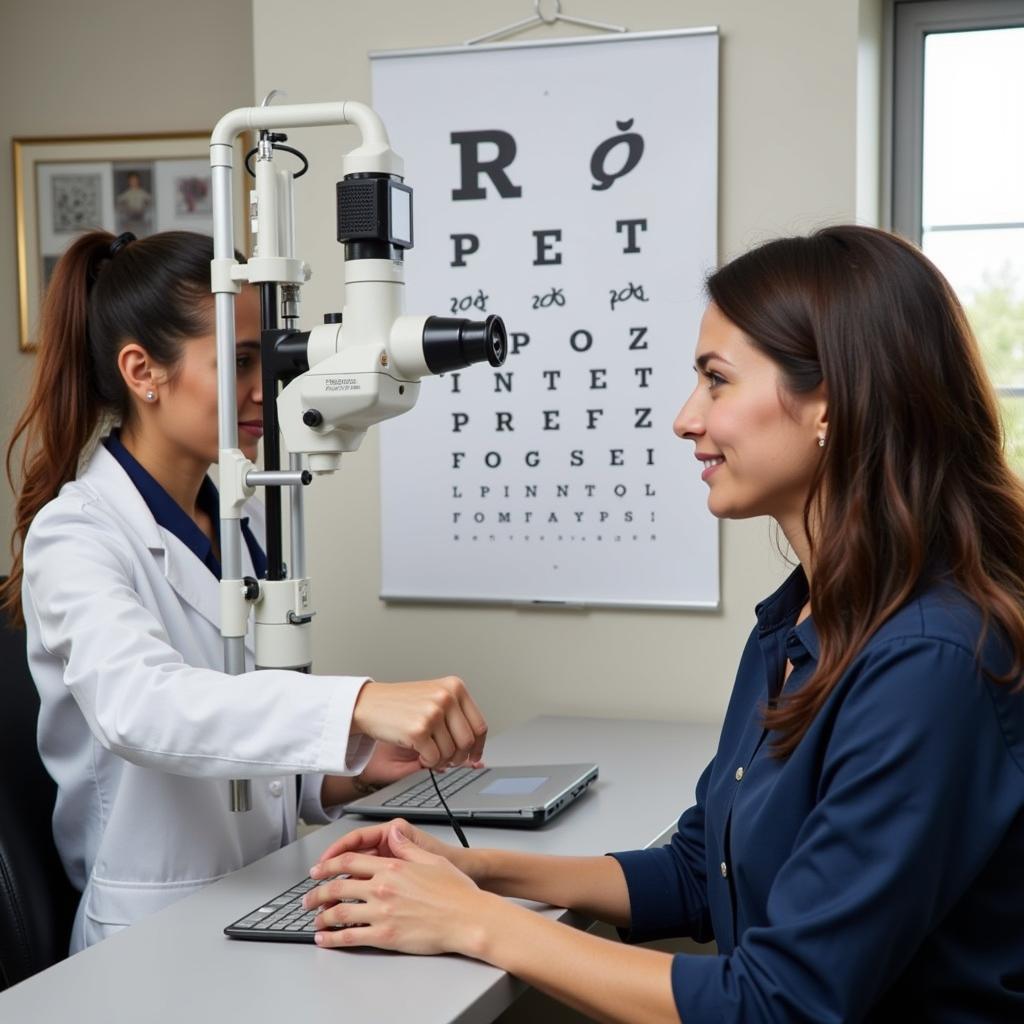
(188, 401)
(757, 455)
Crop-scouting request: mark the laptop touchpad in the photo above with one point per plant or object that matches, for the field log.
(510, 786)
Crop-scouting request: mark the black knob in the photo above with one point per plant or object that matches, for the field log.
(332, 318)
(252, 588)
(312, 418)
(307, 478)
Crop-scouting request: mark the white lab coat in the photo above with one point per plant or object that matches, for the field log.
(139, 726)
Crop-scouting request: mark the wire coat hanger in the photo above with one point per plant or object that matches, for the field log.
(540, 18)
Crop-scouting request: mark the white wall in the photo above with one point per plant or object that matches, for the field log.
(104, 67)
(790, 124)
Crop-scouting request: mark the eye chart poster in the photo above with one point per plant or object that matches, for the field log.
(569, 186)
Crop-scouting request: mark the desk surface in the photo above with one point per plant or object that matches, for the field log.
(177, 965)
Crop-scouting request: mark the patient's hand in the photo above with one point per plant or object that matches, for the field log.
(377, 840)
(397, 882)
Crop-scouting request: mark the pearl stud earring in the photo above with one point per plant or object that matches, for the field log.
(821, 442)
(151, 395)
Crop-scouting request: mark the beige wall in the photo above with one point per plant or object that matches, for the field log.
(799, 141)
(794, 105)
(104, 67)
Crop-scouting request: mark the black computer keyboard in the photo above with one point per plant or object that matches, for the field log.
(282, 919)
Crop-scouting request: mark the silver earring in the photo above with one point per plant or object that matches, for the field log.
(821, 442)
(151, 395)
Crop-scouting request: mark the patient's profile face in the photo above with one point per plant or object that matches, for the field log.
(757, 442)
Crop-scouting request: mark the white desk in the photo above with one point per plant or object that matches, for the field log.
(178, 967)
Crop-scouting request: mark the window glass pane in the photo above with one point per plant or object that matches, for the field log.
(973, 113)
(973, 195)
(995, 307)
(974, 260)
(986, 268)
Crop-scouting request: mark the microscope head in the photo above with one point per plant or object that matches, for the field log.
(359, 377)
(365, 364)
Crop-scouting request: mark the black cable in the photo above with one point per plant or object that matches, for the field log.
(451, 818)
(287, 149)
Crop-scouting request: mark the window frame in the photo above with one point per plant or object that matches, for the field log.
(911, 21)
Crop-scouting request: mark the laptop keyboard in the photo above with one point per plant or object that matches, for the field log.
(423, 794)
(283, 918)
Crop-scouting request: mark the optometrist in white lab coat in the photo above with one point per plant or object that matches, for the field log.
(139, 725)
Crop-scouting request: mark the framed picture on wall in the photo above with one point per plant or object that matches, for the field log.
(139, 183)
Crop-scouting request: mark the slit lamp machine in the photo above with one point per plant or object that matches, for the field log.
(323, 388)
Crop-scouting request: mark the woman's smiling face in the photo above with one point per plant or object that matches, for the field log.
(759, 454)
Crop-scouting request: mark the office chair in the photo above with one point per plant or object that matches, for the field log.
(37, 902)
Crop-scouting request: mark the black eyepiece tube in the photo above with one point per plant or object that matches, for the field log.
(450, 343)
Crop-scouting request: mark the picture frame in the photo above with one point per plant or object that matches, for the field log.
(64, 185)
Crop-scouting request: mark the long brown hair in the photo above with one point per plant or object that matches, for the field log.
(101, 296)
(913, 475)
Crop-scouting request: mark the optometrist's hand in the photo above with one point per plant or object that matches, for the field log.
(412, 900)
(436, 718)
(388, 763)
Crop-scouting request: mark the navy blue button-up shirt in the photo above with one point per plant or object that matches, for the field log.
(877, 873)
(172, 517)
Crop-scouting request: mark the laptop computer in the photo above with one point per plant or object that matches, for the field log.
(523, 796)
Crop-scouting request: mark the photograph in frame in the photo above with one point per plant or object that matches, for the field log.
(75, 202)
(134, 199)
(141, 183)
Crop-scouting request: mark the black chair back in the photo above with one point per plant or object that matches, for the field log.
(37, 902)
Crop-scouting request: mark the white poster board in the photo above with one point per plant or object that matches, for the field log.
(569, 186)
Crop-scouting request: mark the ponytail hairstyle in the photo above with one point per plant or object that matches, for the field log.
(913, 480)
(104, 293)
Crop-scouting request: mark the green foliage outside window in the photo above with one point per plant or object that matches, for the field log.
(996, 313)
